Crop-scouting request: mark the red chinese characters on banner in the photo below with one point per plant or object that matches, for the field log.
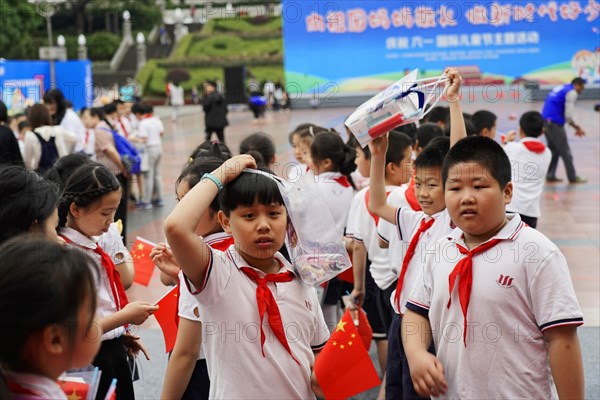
(525, 13)
(477, 15)
(315, 23)
(336, 22)
(446, 17)
(379, 19)
(357, 20)
(570, 11)
(550, 10)
(403, 17)
(592, 10)
(425, 17)
(501, 14)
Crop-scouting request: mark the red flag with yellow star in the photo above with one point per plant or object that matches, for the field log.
(344, 368)
(144, 267)
(74, 390)
(167, 317)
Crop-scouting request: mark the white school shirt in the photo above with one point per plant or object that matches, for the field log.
(44, 387)
(387, 232)
(407, 224)
(231, 333)
(362, 227)
(151, 128)
(177, 95)
(105, 303)
(188, 306)
(529, 175)
(123, 126)
(521, 287)
(72, 123)
(64, 141)
(337, 197)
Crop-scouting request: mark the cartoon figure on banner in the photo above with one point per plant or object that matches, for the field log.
(583, 63)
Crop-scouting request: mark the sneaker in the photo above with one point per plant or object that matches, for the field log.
(157, 203)
(579, 179)
(144, 206)
(553, 179)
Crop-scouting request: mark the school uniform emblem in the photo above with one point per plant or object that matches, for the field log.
(505, 281)
(308, 305)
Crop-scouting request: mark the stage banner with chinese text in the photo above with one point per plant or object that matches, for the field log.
(364, 46)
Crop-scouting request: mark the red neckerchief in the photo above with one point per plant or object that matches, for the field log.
(266, 303)
(123, 127)
(411, 197)
(535, 146)
(410, 252)
(116, 286)
(15, 388)
(87, 137)
(342, 180)
(464, 269)
(374, 216)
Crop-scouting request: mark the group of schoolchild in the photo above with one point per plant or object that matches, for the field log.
(46, 132)
(465, 300)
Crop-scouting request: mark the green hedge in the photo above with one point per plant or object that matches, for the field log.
(229, 61)
(222, 43)
(228, 45)
(241, 25)
(102, 45)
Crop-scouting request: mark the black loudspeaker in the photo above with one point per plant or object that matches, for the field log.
(235, 85)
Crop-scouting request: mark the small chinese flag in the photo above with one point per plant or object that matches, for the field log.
(167, 317)
(347, 275)
(364, 329)
(144, 267)
(344, 368)
(74, 390)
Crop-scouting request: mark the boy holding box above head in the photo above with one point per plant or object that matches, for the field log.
(496, 298)
(418, 230)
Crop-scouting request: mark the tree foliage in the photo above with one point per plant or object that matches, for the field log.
(17, 19)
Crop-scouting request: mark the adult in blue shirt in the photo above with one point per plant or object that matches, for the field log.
(558, 110)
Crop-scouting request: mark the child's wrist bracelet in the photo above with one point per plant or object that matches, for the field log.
(214, 179)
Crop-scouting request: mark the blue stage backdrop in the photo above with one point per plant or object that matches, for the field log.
(364, 46)
(24, 82)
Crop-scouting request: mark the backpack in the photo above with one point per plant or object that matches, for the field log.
(129, 155)
(49, 153)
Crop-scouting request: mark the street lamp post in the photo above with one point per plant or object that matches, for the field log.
(60, 41)
(178, 33)
(141, 50)
(127, 27)
(50, 53)
(82, 48)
